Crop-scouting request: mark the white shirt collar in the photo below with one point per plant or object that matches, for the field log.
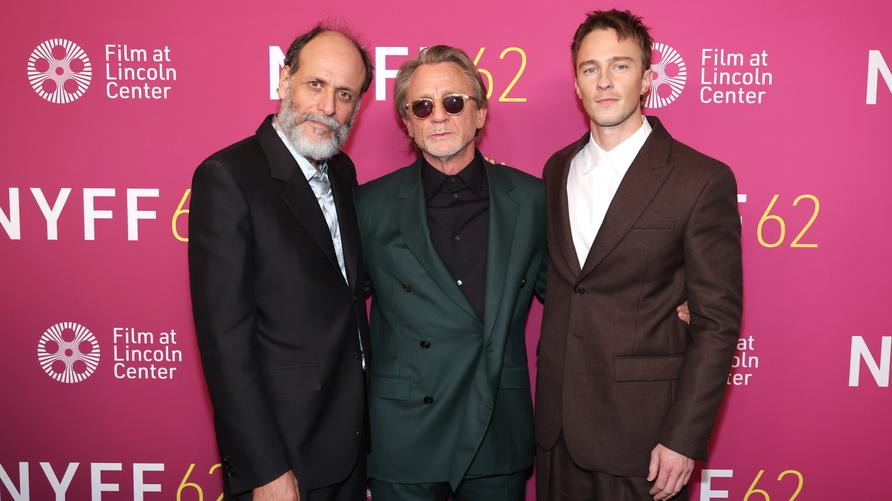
(305, 166)
(622, 155)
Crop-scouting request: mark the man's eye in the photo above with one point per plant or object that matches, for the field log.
(588, 71)
(345, 96)
(314, 84)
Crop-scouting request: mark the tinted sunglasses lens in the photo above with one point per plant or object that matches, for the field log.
(422, 108)
(453, 104)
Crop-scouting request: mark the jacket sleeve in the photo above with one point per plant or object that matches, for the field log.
(220, 271)
(714, 284)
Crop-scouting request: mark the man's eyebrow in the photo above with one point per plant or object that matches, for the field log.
(610, 60)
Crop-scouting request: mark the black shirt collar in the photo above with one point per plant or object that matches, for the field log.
(434, 180)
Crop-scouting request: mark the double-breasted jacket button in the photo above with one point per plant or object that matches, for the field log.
(407, 287)
(428, 400)
(580, 290)
(425, 343)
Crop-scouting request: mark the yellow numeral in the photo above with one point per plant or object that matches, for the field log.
(766, 217)
(814, 215)
(179, 212)
(794, 472)
(486, 74)
(193, 485)
(523, 64)
(211, 472)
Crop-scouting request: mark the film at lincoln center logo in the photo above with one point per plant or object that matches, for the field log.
(669, 76)
(59, 71)
(68, 352)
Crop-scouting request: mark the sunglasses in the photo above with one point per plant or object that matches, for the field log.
(454, 104)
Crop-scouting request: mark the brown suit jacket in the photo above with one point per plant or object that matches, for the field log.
(618, 371)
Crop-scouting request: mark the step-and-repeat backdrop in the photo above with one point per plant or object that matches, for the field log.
(109, 106)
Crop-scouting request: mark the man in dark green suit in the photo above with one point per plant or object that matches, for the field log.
(455, 248)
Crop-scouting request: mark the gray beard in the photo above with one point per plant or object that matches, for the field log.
(294, 125)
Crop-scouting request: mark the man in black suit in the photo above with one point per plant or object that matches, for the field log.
(276, 278)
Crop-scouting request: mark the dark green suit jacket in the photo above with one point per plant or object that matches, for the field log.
(449, 392)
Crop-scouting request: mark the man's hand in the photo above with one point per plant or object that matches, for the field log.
(283, 488)
(671, 471)
(684, 314)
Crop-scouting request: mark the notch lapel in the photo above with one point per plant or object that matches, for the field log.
(414, 230)
(342, 187)
(559, 212)
(297, 194)
(639, 186)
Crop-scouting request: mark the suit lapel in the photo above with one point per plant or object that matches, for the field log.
(342, 190)
(297, 195)
(638, 187)
(559, 211)
(503, 211)
(414, 230)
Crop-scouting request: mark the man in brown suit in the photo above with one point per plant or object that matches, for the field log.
(627, 394)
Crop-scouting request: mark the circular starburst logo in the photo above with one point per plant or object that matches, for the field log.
(68, 352)
(59, 71)
(669, 76)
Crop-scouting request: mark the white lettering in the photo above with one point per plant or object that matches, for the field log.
(876, 65)
(706, 492)
(98, 487)
(22, 493)
(51, 214)
(60, 488)
(12, 224)
(276, 62)
(133, 212)
(382, 73)
(91, 214)
(140, 487)
(880, 372)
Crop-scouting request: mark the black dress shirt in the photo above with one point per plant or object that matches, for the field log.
(458, 220)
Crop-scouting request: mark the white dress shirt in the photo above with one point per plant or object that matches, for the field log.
(592, 182)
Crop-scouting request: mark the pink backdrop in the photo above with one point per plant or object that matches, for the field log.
(813, 315)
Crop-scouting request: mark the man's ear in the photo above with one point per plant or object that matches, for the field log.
(283, 81)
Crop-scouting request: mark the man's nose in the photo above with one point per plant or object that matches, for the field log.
(326, 104)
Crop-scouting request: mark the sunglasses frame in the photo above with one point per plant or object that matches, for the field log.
(464, 99)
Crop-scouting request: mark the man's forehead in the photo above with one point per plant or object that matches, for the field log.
(605, 44)
(330, 45)
(443, 77)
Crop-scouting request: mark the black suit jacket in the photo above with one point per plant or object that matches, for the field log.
(276, 321)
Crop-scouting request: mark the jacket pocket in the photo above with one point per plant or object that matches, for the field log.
(292, 379)
(654, 223)
(648, 368)
(392, 387)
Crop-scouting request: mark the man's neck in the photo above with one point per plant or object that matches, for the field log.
(610, 137)
(451, 165)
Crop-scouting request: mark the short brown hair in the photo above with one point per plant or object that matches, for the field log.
(624, 23)
(433, 55)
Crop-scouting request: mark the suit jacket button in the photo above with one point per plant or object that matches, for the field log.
(357, 355)
(428, 400)
(407, 287)
(523, 281)
(580, 290)
(426, 343)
